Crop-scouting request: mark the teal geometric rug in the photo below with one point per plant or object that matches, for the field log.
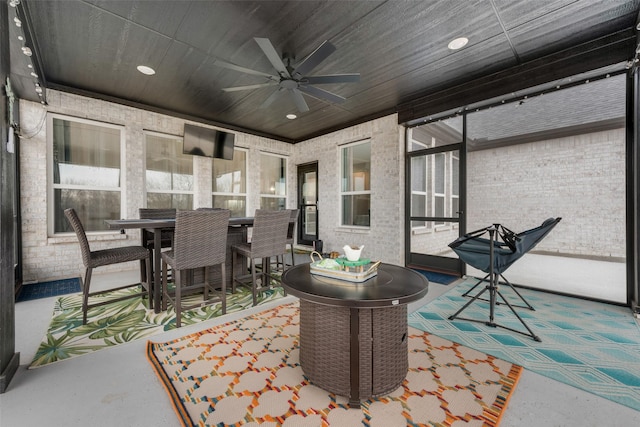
(589, 345)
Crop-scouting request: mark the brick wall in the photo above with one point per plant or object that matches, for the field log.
(384, 240)
(579, 178)
(48, 258)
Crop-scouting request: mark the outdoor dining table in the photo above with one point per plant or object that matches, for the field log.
(237, 234)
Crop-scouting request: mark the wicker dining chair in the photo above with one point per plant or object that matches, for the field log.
(92, 259)
(166, 235)
(293, 220)
(267, 240)
(200, 241)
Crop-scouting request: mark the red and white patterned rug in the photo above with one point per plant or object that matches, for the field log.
(247, 372)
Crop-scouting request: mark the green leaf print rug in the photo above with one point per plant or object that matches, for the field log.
(123, 321)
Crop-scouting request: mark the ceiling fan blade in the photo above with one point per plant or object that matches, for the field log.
(272, 55)
(248, 87)
(322, 94)
(314, 58)
(267, 102)
(299, 100)
(235, 67)
(333, 78)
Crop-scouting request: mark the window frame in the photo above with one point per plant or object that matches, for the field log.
(286, 179)
(342, 193)
(51, 186)
(144, 176)
(244, 195)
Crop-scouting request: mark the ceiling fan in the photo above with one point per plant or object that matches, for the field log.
(293, 78)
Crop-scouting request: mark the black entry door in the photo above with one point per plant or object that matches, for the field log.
(308, 203)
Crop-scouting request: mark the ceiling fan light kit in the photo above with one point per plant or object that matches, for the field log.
(293, 78)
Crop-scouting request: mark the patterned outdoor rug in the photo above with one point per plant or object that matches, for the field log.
(588, 345)
(122, 322)
(247, 372)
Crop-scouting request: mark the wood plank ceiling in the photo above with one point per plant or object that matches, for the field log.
(398, 47)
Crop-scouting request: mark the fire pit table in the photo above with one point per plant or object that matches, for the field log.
(353, 336)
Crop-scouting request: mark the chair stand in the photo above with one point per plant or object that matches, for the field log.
(280, 261)
(200, 242)
(189, 287)
(93, 259)
(492, 287)
(263, 273)
(268, 240)
(506, 282)
(145, 291)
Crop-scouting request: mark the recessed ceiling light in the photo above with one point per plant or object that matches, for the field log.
(146, 70)
(458, 43)
(291, 116)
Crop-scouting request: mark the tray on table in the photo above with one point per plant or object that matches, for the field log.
(351, 271)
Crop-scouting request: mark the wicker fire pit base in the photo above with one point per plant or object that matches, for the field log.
(354, 352)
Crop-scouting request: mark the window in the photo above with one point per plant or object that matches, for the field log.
(355, 190)
(85, 172)
(230, 183)
(273, 182)
(169, 173)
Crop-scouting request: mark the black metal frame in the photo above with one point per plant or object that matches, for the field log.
(506, 282)
(300, 232)
(492, 287)
(508, 238)
(429, 261)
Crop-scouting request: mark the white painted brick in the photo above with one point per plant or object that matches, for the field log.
(579, 178)
(384, 240)
(47, 259)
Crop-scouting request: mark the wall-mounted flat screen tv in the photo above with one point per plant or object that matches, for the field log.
(200, 141)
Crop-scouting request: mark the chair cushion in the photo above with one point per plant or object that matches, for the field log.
(117, 255)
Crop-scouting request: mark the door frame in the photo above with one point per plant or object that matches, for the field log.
(442, 264)
(300, 171)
